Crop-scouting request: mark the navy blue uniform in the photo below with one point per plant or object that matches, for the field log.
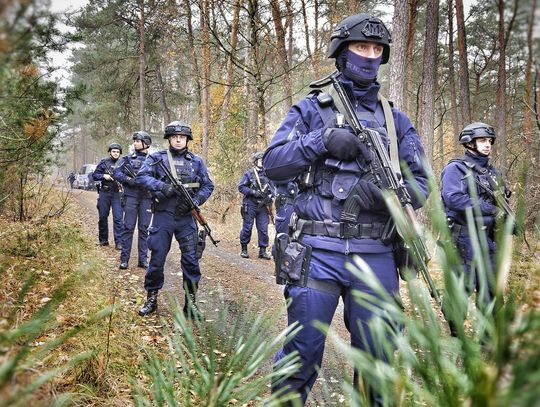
(168, 221)
(457, 196)
(137, 204)
(109, 197)
(286, 193)
(297, 147)
(254, 206)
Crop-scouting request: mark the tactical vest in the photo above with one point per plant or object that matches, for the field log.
(109, 186)
(135, 163)
(265, 183)
(186, 172)
(486, 176)
(333, 178)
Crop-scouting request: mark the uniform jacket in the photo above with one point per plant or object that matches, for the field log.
(131, 163)
(456, 193)
(104, 166)
(248, 186)
(298, 145)
(189, 169)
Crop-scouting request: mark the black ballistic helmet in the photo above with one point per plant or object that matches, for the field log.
(113, 146)
(143, 136)
(360, 27)
(257, 156)
(178, 127)
(476, 130)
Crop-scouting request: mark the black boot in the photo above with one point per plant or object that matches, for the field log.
(150, 305)
(191, 310)
(263, 254)
(244, 253)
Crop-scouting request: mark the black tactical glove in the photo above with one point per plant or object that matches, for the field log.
(257, 194)
(168, 190)
(368, 196)
(344, 145)
(183, 207)
(131, 182)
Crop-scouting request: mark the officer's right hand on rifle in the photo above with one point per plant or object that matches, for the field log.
(344, 145)
(168, 190)
(368, 196)
(257, 194)
(131, 182)
(183, 206)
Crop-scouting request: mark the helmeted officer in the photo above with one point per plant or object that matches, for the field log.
(109, 197)
(330, 163)
(256, 205)
(172, 214)
(137, 201)
(474, 167)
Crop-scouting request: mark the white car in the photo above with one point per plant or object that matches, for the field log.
(82, 180)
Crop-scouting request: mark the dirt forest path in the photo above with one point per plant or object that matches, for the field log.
(224, 275)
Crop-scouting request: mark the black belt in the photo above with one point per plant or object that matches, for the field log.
(340, 229)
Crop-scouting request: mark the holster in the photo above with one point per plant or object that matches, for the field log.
(244, 209)
(292, 260)
(201, 243)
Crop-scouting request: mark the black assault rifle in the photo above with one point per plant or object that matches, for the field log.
(499, 198)
(386, 178)
(109, 172)
(182, 192)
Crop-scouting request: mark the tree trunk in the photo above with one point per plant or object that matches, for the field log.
(429, 77)
(524, 188)
(230, 72)
(316, 42)
(409, 82)
(252, 63)
(162, 98)
(463, 66)
(282, 55)
(142, 67)
(399, 48)
(191, 42)
(205, 26)
(452, 77)
(306, 28)
(501, 84)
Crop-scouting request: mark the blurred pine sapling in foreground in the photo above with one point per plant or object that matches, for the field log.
(226, 361)
(494, 357)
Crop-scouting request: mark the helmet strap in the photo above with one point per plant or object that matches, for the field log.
(471, 146)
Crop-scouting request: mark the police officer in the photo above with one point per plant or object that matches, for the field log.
(109, 197)
(474, 169)
(137, 201)
(256, 206)
(331, 166)
(172, 214)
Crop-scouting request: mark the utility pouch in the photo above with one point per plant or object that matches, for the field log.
(98, 186)
(292, 261)
(404, 261)
(201, 243)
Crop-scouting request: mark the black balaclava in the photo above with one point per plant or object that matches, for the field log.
(361, 70)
